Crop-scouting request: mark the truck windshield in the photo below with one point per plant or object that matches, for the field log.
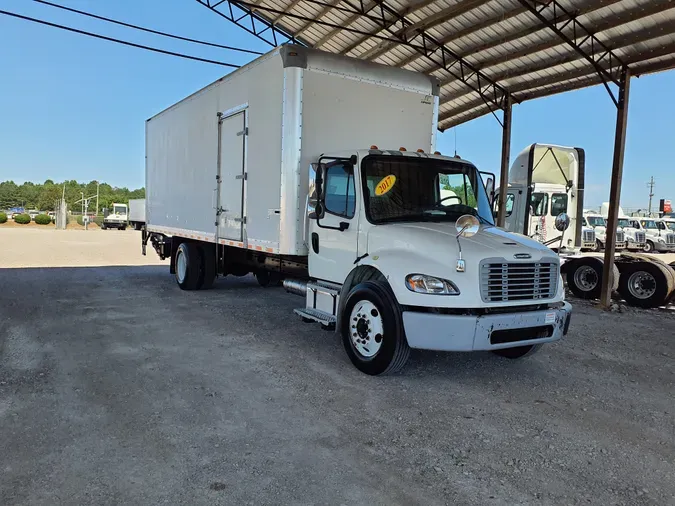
(406, 188)
(669, 224)
(119, 210)
(596, 221)
(624, 222)
(649, 224)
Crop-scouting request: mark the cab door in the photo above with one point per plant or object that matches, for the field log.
(333, 229)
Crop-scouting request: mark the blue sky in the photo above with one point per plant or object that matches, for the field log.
(73, 107)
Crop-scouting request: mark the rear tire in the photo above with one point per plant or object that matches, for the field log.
(207, 264)
(643, 285)
(188, 269)
(584, 278)
(372, 329)
(517, 352)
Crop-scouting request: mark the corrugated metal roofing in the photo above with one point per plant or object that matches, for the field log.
(497, 47)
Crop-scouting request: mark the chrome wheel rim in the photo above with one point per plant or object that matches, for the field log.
(641, 285)
(366, 329)
(181, 267)
(586, 278)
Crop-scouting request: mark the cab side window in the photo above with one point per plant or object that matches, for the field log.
(510, 198)
(340, 193)
(538, 204)
(558, 203)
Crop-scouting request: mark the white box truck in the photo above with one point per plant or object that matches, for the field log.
(137, 213)
(295, 168)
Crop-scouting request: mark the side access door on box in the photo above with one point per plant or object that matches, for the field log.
(231, 174)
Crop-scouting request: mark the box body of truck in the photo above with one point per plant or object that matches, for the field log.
(229, 164)
(137, 213)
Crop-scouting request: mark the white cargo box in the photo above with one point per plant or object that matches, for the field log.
(237, 153)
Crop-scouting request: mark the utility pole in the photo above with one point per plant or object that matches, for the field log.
(651, 193)
(97, 185)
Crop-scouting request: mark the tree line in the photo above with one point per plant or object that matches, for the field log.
(45, 196)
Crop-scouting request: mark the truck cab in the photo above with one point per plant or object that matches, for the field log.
(660, 234)
(633, 236)
(599, 225)
(405, 243)
(118, 218)
(544, 182)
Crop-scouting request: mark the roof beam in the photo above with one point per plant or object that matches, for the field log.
(405, 12)
(458, 120)
(593, 50)
(468, 31)
(321, 14)
(426, 23)
(622, 41)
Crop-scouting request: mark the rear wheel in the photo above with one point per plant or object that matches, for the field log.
(584, 278)
(643, 285)
(372, 329)
(517, 352)
(207, 264)
(187, 266)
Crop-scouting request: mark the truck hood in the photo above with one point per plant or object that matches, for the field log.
(399, 249)
(439, 238)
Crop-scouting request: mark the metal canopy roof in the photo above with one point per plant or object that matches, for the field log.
(483, 52)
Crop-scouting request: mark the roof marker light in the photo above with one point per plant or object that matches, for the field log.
(374, 147)
(402, 149)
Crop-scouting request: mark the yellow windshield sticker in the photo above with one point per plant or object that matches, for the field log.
(386, 184)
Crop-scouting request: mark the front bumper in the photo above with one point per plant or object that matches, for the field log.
(635, 246)
(442, 332)
(662, 247)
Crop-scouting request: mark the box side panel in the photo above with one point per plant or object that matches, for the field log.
(344, 114)
(182, 150)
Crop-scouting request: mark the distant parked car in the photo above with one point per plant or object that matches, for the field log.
(33, 213)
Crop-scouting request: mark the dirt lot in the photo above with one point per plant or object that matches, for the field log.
(118, 388)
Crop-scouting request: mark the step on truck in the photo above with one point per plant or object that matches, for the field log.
(294, 168)
(545, 180)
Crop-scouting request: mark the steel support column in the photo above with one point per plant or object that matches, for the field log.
(506, 156)
(615, 188)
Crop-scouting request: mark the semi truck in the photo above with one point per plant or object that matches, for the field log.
(660, 234)
(634, 236)
(544, 173)
(319, 172)
(117, 218)
(137, 213)
(599, 225)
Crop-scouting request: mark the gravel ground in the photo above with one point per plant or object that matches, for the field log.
(118, 388)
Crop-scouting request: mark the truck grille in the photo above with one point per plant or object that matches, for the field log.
(620, 236)
(670, 239)
(504, 281)
(589, 236)
(639, 237)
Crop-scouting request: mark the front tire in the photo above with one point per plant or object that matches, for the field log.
(649, 247)
(188, 269)
(517, 352)
(372, 329)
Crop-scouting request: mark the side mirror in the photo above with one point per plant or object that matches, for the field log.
(316, 191)
(562, 222)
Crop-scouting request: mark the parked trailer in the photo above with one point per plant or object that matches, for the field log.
(265, 172)
(641, 280)
(137, 213)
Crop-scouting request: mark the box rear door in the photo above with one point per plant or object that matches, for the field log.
(232, 175)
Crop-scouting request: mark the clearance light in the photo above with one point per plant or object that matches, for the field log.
(420, 150)
(437, 152)
(402, 149)
(374, 147)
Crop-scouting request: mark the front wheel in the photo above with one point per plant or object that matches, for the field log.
(649, 247)
(372, 329)
(517, 352)
(104, 227)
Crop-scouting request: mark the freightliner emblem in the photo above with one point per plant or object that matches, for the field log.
(521, 256)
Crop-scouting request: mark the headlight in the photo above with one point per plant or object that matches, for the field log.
(661, 240)
(421, 283)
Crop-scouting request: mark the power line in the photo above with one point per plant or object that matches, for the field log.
(149, 30)
(126, 43)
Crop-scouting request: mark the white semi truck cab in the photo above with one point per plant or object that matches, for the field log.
(634, 236)
(392, 248)
(660, 234)
(599, 225)
(118, 217)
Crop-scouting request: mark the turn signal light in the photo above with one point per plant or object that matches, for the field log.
(402, 149)
(374, 147)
